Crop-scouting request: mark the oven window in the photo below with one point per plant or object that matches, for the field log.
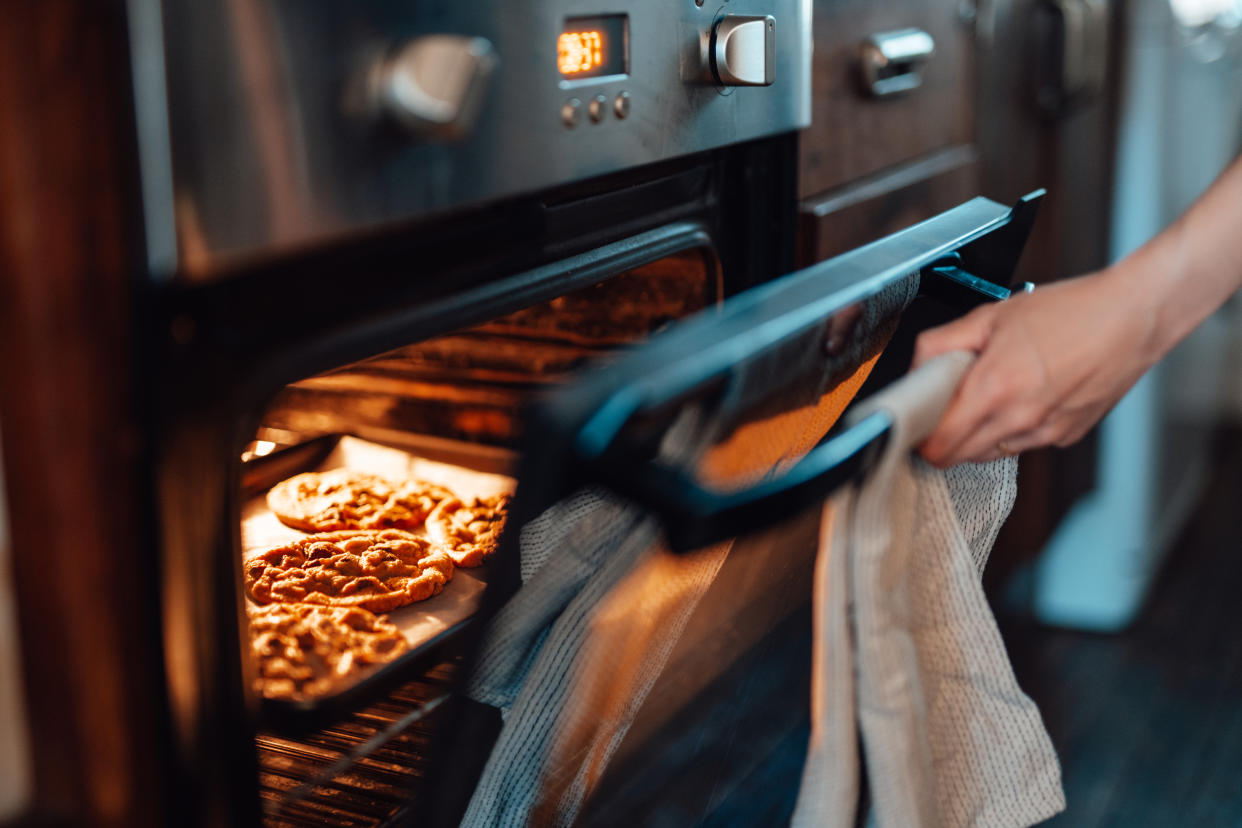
(371, 497)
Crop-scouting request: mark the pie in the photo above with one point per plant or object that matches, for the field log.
(376, 570)
(470, 533)
(305, 650)
(345, 499)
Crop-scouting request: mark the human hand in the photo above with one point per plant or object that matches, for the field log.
(1050, 364)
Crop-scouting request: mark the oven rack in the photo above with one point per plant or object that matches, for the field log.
(359, 771)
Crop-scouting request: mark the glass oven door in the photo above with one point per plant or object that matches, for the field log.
(648, 635)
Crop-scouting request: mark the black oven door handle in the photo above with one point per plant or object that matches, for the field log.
(694, 515)
(963, 257)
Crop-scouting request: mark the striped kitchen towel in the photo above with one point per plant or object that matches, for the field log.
(908, 661)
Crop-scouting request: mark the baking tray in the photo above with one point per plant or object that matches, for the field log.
(426, 625)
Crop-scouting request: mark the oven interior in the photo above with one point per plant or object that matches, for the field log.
(448, 410)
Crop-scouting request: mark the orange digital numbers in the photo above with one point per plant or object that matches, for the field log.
(578, 52)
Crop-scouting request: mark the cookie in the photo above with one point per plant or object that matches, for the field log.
(470, 532)
(376, 570)
(345, 499)
(303, 650)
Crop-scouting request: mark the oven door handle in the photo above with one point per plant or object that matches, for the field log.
(600, 428)
(694, 515)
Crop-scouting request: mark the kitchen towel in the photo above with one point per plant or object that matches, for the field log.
(909, 666)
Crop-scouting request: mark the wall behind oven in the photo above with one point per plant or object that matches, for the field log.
(1180, 125)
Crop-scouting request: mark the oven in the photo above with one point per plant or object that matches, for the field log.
(374, 234)
(541, 251)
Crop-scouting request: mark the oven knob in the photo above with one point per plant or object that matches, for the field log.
(433, 85)
(742, 51)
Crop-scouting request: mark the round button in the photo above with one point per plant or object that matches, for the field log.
(571, 111)
(621, 106)
(597, 107)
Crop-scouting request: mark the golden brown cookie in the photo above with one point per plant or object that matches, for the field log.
(469, 532)
(345, 499)
(421, 497)
(375, 570)
(303, 650)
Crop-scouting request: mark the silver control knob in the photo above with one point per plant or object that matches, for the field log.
(433, 85)
(743, 51)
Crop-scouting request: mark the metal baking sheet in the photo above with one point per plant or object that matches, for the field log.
(423, 623)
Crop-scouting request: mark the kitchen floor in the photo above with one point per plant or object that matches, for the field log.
(1148, 723)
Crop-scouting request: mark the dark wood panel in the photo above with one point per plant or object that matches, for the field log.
(1021, 148)
(69, 251)
(1071, 154)
(882, 204)
(853, 134)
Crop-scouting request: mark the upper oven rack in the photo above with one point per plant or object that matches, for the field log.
(963, 257)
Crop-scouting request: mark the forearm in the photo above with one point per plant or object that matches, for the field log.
(1182, 275)
(1051, 363)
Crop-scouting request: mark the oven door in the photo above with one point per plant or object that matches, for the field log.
(647, 654)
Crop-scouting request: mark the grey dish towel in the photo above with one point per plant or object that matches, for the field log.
(908, 661)
(528, 657)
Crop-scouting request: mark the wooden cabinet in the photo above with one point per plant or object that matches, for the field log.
(854, 133)
(869, 164)
(72, 427)
(1068, 150)
(979, 124)
(884, 203)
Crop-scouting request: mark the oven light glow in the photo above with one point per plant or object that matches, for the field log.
(259, 448)
(578, 52)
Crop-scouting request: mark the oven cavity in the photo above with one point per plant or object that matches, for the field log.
(372, 500)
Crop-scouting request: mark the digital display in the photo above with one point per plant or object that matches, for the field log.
(590, 47)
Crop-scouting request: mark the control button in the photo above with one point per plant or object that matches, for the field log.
(621, 106)
(597, 107)
(743, 51)
(433, 85)
(571, 112)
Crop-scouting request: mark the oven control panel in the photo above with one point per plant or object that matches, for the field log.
(287, 124)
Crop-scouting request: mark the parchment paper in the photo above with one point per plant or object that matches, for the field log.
(424, 620)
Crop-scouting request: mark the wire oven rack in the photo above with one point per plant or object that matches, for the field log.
(360, 771)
